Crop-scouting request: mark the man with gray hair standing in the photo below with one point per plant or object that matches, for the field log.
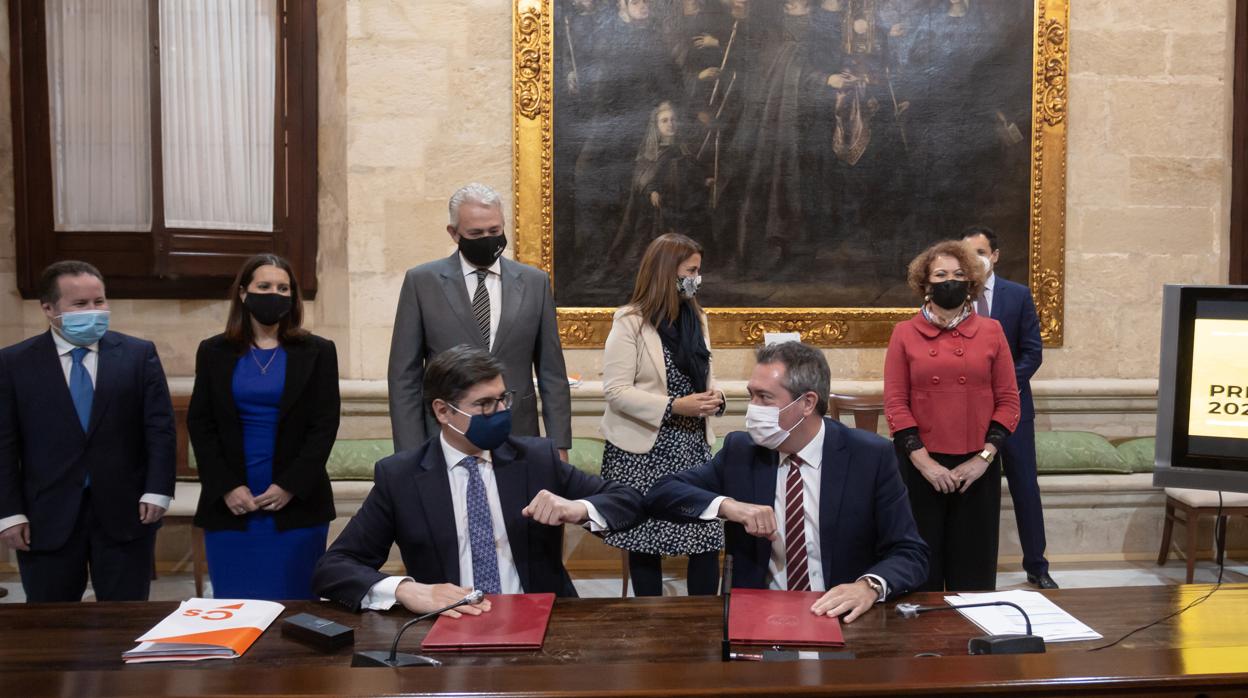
(810, 504)
(478, 297)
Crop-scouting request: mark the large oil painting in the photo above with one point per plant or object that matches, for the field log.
(812, 146)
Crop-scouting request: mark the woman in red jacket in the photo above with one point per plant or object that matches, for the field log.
(951, 399)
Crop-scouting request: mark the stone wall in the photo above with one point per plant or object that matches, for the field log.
(415, 99)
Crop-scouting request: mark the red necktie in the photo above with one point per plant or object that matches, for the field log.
(795, 529)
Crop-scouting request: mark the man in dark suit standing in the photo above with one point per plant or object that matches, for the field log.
(1011, 305)
(812, 504)
(471, 508)
(479, 298)
(86, 447)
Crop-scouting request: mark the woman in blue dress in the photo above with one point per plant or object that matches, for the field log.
(263, 417)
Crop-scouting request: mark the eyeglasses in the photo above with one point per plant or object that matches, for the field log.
(491, 405)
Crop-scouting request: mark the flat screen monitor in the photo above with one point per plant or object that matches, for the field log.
(1202, 398)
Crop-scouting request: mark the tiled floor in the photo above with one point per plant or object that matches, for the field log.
(1073, 575)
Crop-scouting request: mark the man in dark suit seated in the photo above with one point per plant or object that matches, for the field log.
(86, 447)
(471, 508)
(1011, 305)
(846, 527)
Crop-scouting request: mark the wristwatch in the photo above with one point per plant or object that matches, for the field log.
(986, 454)
(875, 586)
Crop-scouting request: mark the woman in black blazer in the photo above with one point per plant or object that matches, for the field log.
(263, 417)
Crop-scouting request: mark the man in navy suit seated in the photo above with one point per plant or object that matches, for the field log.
(812, 504)
(1011, 305)
(473, 508)
(86, 447)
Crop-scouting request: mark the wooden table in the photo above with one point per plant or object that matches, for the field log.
(667, 646)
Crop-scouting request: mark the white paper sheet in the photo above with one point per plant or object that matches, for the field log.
(1048, 620)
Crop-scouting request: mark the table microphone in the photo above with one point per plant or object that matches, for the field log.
(394, 658)
(987, 644)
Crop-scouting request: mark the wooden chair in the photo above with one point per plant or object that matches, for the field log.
(866, 409)
(182, 511)
(624, 573)
(186, 495)
(1194, 504)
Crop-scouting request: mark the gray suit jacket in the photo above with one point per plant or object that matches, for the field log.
(435, 314)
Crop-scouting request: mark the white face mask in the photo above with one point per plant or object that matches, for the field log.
(763, 424)
(987, 264)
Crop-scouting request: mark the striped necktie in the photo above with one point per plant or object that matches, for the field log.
(795, 569)
(981, 304)
(481, 305)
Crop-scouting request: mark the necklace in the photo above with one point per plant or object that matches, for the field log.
(264, 368)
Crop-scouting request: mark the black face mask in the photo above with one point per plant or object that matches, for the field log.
(482, 251)
(267, 308)
(949, 294)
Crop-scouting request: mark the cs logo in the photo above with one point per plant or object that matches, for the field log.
(221, 613)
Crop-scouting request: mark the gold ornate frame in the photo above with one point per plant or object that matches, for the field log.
(533, 59)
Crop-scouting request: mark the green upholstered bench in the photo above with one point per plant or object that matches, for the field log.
(1138, 454)
(1076, 453)
(350, 459)
(586, 455)
(1081, 452)
(1057, 453)
(353, 459)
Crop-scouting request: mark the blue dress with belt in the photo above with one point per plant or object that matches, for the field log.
(262, 562)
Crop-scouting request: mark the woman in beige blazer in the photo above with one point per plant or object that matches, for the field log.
(660, 391)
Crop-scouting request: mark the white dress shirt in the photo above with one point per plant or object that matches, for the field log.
(493, 285)
(777, 575)
(987, 292)
(91, 362)
(381, 596)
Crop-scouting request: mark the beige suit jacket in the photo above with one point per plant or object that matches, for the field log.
(634, 382)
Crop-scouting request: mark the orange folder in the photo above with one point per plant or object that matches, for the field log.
(514, 622)
(205, 629)
(764, 617)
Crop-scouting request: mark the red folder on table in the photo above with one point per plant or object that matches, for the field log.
(763, 617)
(514, 622)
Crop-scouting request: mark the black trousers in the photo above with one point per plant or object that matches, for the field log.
(1019, 461)
(961, 529)
(120, 571)
(646, 572)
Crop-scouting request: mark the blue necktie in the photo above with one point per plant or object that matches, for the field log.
(80, 388)
(481, 532)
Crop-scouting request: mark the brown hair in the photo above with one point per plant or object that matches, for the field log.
(238, 326)
(921, 266)
(654, 293)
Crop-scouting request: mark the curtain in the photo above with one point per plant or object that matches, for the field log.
(217, 82)
(99, 100)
